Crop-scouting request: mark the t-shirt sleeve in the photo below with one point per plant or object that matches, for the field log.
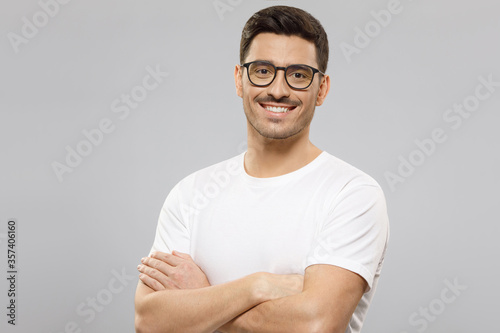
(172, 231)
(355, 233)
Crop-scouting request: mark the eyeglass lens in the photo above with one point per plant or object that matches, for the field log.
(297, 76)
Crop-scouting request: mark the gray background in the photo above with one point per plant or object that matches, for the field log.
(101, 217)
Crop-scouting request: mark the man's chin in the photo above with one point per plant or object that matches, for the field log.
(277, 135)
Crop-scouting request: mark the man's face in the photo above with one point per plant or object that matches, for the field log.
(258, 102)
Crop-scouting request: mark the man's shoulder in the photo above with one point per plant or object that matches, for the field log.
(222, 170)
(336, 170)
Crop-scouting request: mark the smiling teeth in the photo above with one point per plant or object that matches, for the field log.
(277, 109)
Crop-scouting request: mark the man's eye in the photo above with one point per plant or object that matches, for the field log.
(299, 76)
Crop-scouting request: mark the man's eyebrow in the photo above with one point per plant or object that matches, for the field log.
(285, 65)
(266, 60)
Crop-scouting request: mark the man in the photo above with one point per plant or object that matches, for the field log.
(282, 238)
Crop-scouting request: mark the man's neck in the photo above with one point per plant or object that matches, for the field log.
(272, 157)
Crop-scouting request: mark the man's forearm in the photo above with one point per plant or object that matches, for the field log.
(197, 310)
(288, 314)
(322, 306)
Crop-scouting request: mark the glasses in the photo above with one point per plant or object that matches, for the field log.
(263, 73)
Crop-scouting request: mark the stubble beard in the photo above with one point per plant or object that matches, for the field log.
(275, 128)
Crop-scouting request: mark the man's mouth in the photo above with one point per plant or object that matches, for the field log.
(277, 108)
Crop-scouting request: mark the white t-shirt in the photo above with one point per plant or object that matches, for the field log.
(233, 224)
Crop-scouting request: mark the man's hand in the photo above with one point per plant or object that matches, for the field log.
(163, 271)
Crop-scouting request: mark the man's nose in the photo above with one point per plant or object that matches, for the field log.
(279, 88)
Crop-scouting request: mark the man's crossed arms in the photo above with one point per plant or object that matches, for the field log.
(174, 295)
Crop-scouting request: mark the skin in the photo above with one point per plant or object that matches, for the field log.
(173, 296)
(174, 293)
(276, 144)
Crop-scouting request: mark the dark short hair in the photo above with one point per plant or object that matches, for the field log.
(288, 21)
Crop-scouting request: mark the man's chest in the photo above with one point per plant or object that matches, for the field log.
(234, 236)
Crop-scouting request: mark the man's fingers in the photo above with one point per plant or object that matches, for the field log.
(151, 283)
(177, 270)
(157, 264)
(167, 257)
(159, 278)
(182, 255)
(153, 273)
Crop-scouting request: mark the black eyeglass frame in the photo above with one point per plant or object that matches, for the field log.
(276, 69)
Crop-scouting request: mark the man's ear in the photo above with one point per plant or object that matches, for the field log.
(238, 72)
(324, 88)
